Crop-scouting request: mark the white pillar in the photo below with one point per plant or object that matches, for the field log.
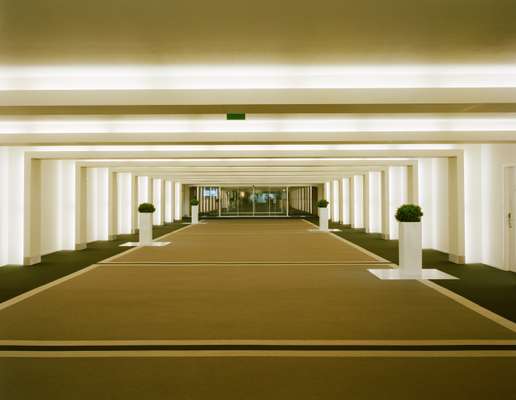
(336, 200)
(81, 208)
(358, 201)
(351, 204)
(169, 201)
(134, 203)
(456, 209)
(112, 205)
(375, 202)
(413, 183)
(386, 231)
(150, 190)
(32, 216)
(366, 203)
(178, 211)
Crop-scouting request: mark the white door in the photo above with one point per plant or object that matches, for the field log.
(510, 218)
(512, 228)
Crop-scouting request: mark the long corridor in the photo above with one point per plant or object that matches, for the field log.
(275, 291)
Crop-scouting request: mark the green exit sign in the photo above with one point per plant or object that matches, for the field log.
(231, 116)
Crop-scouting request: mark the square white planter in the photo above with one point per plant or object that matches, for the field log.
(145, 228)
(410, 249)
(195, 214)
(323, 219)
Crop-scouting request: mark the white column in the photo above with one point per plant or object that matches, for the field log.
(32, 216)
(398, 196)
(112, 205)
(81, 208)
(413, 183)
(134, 203)
(386, 231)
(150, 189)
(358, 201)
(345, 201)
(375, 202)
(336, 200)
(178, 203)
(366, 203)
(351, 204)
(456, 209)
(169, 201)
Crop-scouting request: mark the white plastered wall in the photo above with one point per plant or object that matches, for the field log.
(494, 158)
(4, 210)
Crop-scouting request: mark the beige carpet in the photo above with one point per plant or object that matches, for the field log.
(251, 241)
(257, 378)
(254, 302)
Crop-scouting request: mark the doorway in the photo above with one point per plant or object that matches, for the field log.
(510, 218)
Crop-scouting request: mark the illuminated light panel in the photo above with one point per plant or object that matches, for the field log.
(142, 77)
(259, 125)
(242, 148)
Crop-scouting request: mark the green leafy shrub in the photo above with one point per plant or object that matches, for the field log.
(146, 208)
(409, 213)
(322, 203)
(194, 202)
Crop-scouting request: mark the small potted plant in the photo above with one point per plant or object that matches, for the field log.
(323, 214)
(410, 240)
(195, 211)
(146, 210)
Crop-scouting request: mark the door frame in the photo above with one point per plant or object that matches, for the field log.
(509, 187)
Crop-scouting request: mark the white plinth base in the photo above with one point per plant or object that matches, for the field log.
(395, 274)
(138, 244)
(327, 230)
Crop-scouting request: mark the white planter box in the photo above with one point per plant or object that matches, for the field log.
(145, 228)
(410, 249)
(323, 218)
(195, 214)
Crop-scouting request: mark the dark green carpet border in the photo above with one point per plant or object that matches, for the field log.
(15, 279)
(487, 286)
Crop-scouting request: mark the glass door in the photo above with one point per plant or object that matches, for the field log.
(245, 201)
(229, 201)
(261, 201)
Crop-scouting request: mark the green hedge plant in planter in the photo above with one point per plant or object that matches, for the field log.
(323, 214)
(146, 208)
(409, 213)
(322, 203)
(194, 202)
(410, 241)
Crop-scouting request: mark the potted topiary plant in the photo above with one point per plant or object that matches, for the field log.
(323, 214)
(410, 240)
(146, 210)
(195, 211)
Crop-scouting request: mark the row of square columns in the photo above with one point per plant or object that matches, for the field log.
(365, 201)
(158, 197)
(351, 196)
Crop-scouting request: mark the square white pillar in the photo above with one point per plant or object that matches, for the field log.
(32, 216)
(112, 205)
(81, 208)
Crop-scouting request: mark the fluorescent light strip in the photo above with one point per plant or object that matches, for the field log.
(142, 77)
(241, 148)
(363, 124)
